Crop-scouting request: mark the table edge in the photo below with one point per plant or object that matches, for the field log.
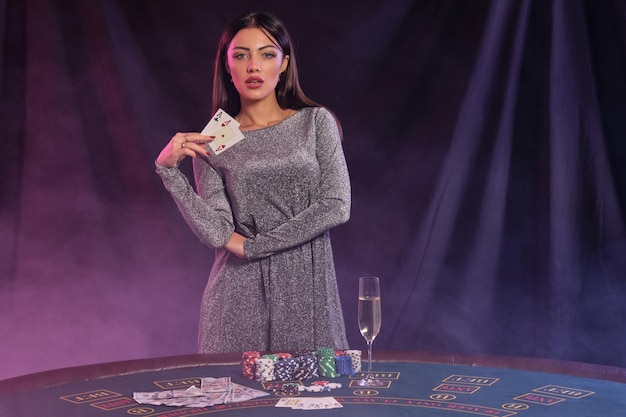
(46, 379)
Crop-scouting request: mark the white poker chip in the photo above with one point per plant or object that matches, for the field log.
(355, 355)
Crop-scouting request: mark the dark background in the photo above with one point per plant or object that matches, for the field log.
(485, 141)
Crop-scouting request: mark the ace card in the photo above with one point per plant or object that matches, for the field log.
(226, 131)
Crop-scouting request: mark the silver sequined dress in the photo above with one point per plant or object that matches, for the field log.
(283, 187)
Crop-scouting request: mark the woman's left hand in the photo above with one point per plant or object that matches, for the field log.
(235, 245)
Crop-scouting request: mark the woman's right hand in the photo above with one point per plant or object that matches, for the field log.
(181, 146)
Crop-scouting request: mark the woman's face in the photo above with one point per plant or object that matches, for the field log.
(255, 62)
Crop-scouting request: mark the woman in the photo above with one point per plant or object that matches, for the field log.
(267, 203)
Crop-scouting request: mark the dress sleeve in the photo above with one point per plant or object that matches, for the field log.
(330, 206)
(207, 212)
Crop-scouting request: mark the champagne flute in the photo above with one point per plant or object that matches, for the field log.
(369, 317)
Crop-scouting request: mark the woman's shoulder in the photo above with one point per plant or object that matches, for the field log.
(323, 119)
(317, 114)
(320, 117)
(315, 110)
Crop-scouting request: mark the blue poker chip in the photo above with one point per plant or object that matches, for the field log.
(343, 365)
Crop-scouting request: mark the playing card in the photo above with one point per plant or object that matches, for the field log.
(288, 402)
(309, 403)
(226, 131)
(313, 404)
(235, 137)
(219, 120)
(331, 402)
(222, 136)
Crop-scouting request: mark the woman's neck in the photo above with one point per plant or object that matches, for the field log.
(259, 115)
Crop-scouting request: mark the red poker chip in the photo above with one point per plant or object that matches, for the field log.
(320, 383)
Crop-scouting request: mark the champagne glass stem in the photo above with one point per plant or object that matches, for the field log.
(369, 360)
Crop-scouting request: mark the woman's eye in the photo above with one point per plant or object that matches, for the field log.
(239, 56)
(269, 55)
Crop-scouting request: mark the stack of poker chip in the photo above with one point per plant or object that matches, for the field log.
(326, 362)
(303, 366)
(343, 364)
(287, 389)
(355, 355)
(284, 369)
(249, 363)
(307, 367)
(264, 371)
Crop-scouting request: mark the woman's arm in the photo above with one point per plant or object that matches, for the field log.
(207, 212)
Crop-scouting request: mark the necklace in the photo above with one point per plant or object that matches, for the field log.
(262, 125)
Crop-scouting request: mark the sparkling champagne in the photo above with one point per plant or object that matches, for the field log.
(369, 317)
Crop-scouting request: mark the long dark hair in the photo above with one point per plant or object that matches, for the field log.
(288, 91)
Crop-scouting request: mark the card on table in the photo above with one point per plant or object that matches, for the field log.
(309, 403)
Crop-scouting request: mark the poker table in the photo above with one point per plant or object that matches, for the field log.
(414, 384)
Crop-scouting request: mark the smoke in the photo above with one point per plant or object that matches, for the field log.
(124, 290)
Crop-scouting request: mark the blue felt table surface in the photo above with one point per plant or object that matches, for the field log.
(412, 389)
